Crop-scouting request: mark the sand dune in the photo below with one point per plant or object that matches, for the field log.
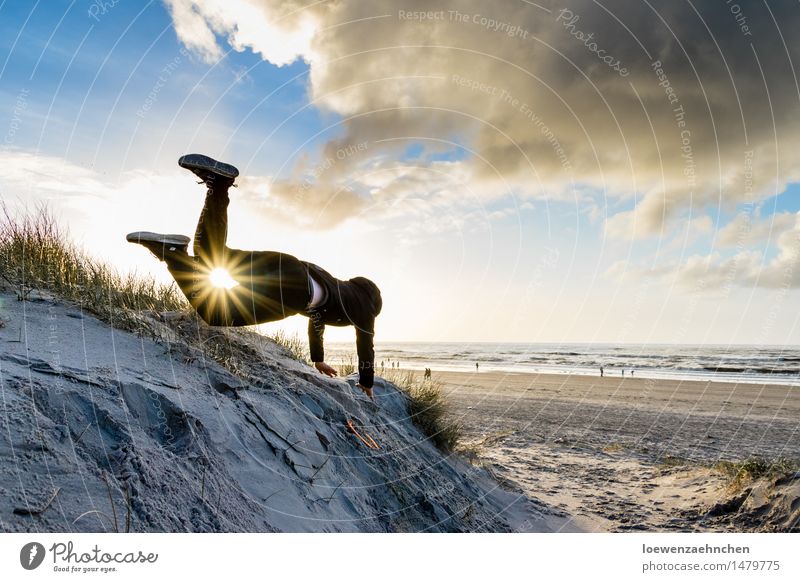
(107, 431)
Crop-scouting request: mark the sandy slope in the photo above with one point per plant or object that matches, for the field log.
(196, 449)
(596, 447)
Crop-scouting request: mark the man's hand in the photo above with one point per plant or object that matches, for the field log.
(367, 391)
(326, 369)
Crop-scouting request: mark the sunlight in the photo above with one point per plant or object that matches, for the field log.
(220, 277)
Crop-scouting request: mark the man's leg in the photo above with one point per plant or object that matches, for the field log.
(212, 228)
(238, 306)
(191, 274)
(271, 285)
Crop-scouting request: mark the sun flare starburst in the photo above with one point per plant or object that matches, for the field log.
(221, 278)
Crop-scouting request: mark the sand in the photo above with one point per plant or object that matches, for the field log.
(101, 427)
(620, 454)
(104, 430)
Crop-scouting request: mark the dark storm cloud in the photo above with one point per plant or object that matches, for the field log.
(673, 106)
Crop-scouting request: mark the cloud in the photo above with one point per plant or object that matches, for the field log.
(279, 32)
(100, 212)
(745, 229)
(705, 114)
(772, 268)
(38, 177)
(194, 30)
(323, 206)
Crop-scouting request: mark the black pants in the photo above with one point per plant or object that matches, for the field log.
(272, 285)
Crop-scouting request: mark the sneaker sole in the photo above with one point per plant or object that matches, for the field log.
(166, 239)
(201, 162)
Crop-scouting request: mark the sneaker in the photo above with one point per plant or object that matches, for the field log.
(208, 169)
(160, 244)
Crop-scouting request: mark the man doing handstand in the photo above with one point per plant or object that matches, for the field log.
(263, 285)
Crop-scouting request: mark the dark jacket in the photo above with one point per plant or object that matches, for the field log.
(355, 302)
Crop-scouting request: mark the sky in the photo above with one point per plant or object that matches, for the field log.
(576, 171)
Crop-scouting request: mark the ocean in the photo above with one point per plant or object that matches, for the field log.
(734, 363)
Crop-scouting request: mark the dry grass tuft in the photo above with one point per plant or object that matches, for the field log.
(348, 365)
(428, 408)
(37, 258)
(743, 473)
(294, 344)
(35, 254)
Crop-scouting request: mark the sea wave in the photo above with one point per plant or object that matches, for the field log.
(728, 363)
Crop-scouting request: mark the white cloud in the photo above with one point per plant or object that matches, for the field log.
(193, 30)
(100, 213)
(714, 125)
(280, 32)
(773, 268)
(746, 229)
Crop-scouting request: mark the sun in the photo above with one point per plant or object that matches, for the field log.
(220, 277)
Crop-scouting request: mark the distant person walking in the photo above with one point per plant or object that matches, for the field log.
(632, 371)
(623, 373)
(601, 371)
(476, 366)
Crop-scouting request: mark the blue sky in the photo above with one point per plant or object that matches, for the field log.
(88, 78)
(98, 104)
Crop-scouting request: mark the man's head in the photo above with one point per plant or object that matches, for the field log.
(372, 291)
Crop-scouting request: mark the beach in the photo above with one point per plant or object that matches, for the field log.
(632, 453)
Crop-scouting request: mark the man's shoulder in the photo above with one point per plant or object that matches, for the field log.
(321, 274)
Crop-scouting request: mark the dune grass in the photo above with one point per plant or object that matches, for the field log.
(740, 474)
(428, 408)
(348, 365)
(294, 344)
(37, 255)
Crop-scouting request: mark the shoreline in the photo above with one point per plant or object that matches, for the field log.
(641, 373)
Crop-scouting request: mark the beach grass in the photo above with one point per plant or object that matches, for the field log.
(428, 408)
(37, 258)
(294, 344)
(740, 474)
(37, 255)
(348, 365)
(476, 449)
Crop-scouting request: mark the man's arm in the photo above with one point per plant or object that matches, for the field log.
(366, 354)
(316, 331)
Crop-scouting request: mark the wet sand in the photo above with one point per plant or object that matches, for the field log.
(630, 453)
